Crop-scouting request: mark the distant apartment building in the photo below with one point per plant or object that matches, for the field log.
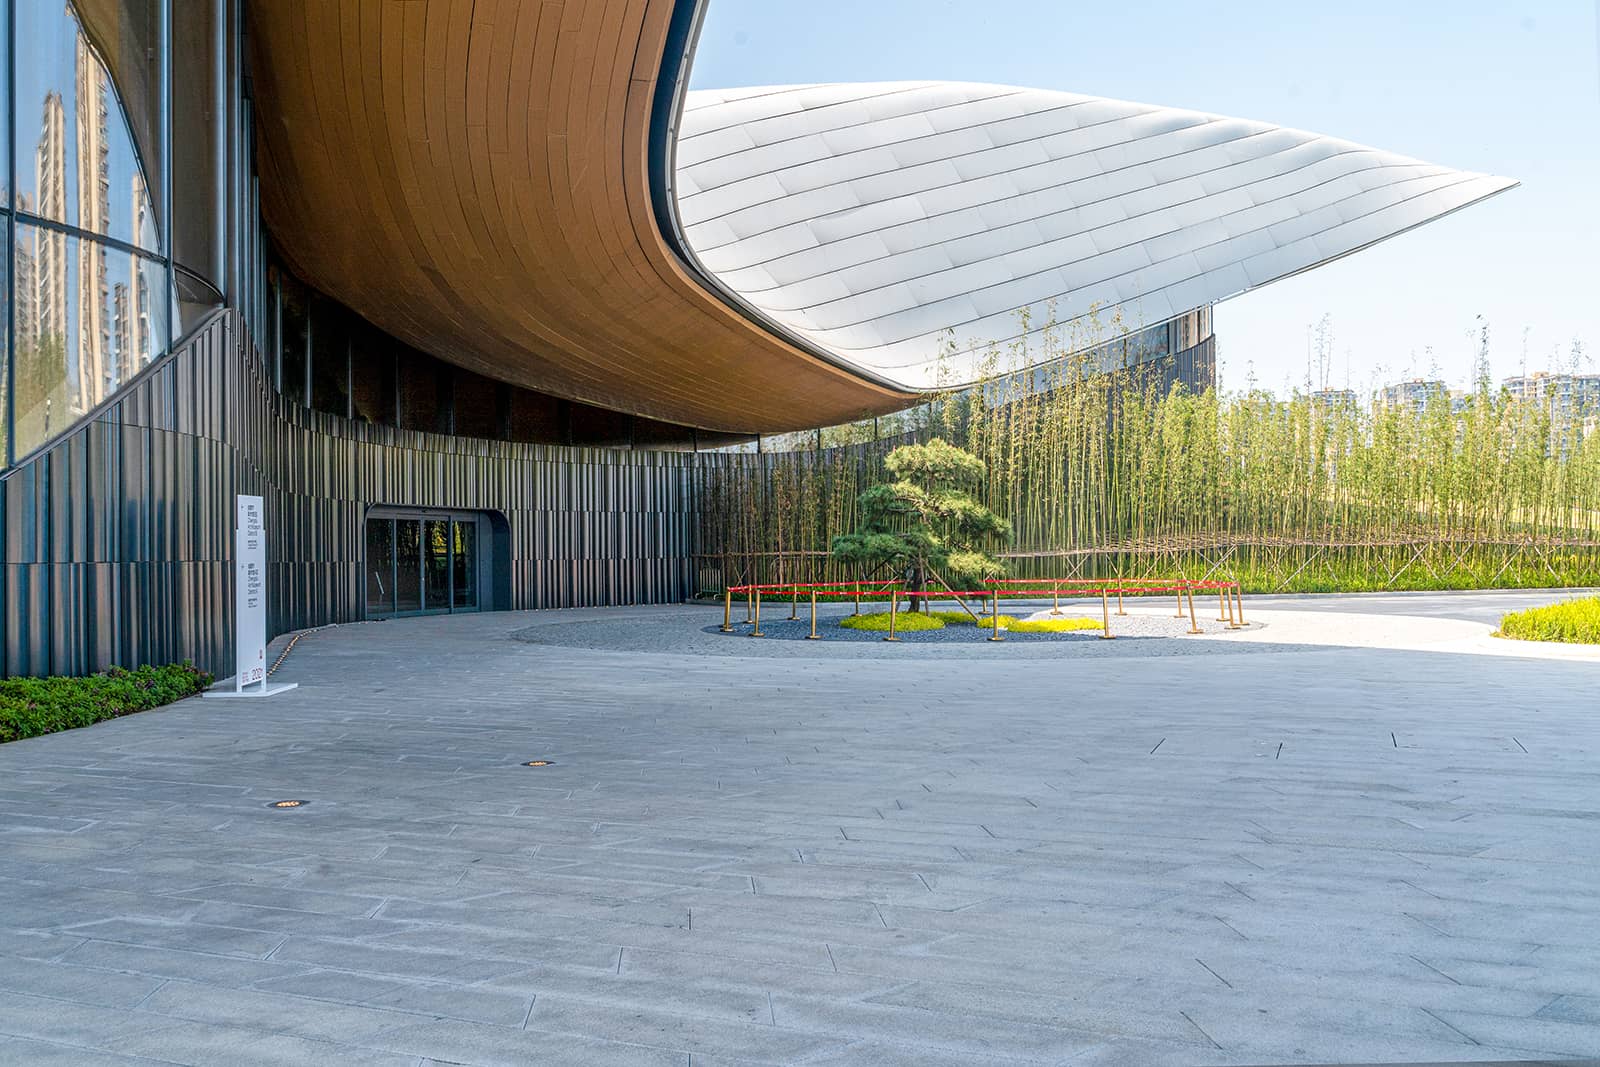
(1568, 395)
(1572, 401)
(1414, 394)
(1334, 399)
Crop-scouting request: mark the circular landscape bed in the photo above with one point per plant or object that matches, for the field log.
(1028, 632)
(957, 627)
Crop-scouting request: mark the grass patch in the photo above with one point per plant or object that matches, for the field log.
(1063, 625)
(30, 707)
(905, 621)
(1572, 621)
(961, 618)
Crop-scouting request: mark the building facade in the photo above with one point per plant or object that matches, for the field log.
(1415, 393)
(468, 347)
(1569, 396)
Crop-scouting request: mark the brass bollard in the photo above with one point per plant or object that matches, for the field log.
(749, 599)
(727, 611)
(1105, 614)
(1194, 624)
(894, 606)
(814, 636)
(1055, 600)
(757, 631)
(995, 635)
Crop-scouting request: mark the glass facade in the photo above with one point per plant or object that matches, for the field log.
(420, 562)
(89, 289)
(89, 316)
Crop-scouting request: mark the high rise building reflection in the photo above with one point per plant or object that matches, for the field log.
(94, 371)
(42, 380)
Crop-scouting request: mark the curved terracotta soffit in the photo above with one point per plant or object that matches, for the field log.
(475, 179)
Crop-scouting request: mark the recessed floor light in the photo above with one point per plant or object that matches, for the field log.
(540, 763)
(288, 803)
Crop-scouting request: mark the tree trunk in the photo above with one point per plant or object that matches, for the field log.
(916, 582)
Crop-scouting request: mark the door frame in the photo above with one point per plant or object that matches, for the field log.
(481, 566)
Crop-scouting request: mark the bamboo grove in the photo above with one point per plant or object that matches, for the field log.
(1103, 472)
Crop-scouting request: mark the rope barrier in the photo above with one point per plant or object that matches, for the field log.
(1088, 588)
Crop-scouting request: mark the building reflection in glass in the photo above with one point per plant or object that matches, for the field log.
(89, 312)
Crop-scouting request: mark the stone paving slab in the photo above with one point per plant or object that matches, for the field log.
(1241, 853)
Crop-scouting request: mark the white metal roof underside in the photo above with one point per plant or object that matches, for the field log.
(869, 219)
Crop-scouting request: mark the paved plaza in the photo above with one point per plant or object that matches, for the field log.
(1228, 849)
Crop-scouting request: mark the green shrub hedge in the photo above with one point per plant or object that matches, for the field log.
(905, 621)
(1573, 621)
(33, 706)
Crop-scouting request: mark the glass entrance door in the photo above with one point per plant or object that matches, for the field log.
(421, 563)
(408, 566)
(436, 571)
(464, 565)
(380, 567)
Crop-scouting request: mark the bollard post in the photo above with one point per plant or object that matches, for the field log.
(757, 631)
(1119, 598)
(727, 611)
(1105, 614)
(749, 599)
(1238, 592)
(995, 634)
(1194, 624)
(894, 605)
(1055, 599)
(814, 635)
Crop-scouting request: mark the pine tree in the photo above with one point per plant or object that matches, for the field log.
(926, 523)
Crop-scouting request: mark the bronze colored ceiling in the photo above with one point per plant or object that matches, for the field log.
(472, 176)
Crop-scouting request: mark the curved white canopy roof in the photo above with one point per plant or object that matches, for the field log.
(870, 218)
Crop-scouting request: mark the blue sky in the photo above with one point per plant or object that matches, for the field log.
(1507, 88)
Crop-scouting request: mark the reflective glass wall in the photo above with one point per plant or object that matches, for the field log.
(88, 142)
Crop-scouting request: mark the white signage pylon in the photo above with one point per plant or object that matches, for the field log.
(250, 605)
